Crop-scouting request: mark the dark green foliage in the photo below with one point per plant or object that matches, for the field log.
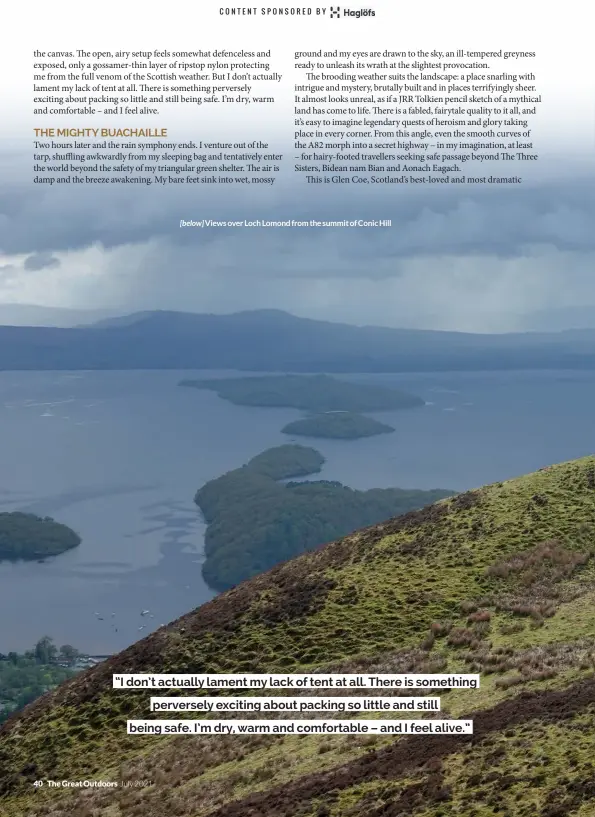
(341, 425)
(286, 461)
(309, 392)
(256, 522)
(26, 536)
(23, 678)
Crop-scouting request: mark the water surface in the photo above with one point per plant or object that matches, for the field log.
(118, 456)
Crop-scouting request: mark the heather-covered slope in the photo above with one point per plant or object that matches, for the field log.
(499, 581)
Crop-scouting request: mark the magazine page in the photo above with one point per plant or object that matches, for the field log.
(297, 366)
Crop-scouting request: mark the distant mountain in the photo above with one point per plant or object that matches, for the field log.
(123, 320)
(275, 341)
(496, 582)
(32, 315)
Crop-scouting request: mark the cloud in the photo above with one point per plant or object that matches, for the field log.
(466, 292)
(7, 271)
(476, 259)
(41, 260)
(485, 220)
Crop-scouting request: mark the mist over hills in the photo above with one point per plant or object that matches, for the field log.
(561, 319)
(15, 314)
(272, 340)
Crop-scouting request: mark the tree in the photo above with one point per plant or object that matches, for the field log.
(45, 650)
(68, 654)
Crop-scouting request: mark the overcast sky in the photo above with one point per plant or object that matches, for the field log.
(476, 260)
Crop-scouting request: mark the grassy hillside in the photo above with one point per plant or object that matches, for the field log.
(499, 580)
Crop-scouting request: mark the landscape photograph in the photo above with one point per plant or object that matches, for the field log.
(358, 451)
(243, 514)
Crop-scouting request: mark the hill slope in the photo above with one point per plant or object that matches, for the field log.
(500, 580)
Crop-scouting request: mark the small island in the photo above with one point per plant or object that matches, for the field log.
(337, 425)
(314, 393)
(254, 521)
(287, 461)
(27, 536)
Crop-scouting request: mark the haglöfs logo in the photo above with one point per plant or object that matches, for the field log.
(335, 12)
